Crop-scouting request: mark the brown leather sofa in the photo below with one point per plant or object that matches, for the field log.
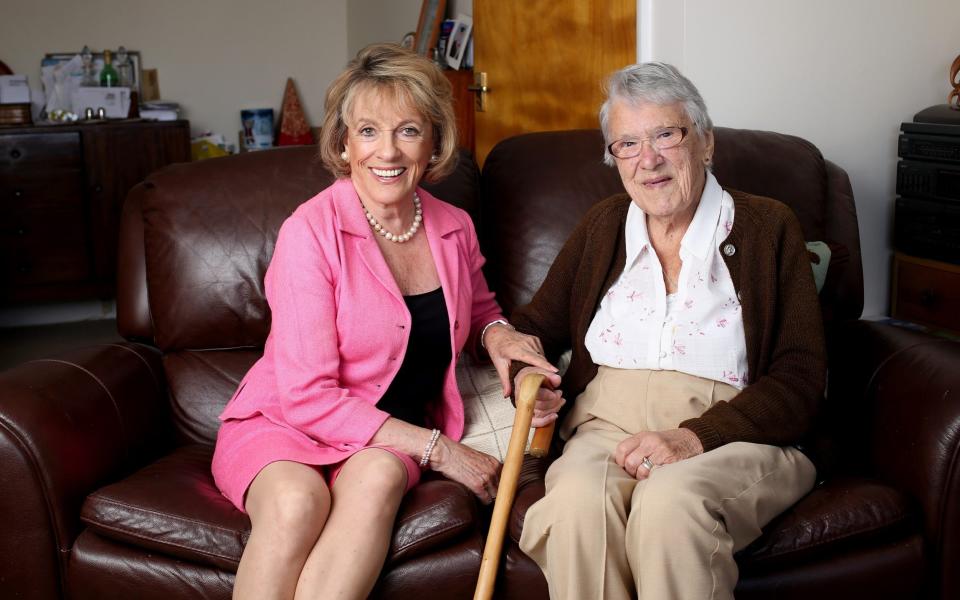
(104, 452)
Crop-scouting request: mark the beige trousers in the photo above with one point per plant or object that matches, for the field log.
(599, 533)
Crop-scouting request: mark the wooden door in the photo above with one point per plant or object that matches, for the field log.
(546, 61)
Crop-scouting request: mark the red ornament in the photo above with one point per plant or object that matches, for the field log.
(294, 129)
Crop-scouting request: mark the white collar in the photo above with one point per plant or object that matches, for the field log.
(699, 237)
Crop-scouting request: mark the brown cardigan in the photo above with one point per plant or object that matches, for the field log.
(771, 272)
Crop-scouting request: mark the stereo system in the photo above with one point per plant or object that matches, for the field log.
(927, 222)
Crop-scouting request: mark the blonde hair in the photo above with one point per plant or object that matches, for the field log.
(411, 78)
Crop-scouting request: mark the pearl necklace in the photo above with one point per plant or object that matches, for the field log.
(406, 235)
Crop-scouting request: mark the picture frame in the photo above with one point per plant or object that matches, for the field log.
(428, 26)
(55, 58)
(459, 40)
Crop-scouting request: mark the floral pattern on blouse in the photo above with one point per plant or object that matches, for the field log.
(699, 329)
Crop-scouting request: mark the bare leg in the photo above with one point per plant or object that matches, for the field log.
(349, 555)
(288, 504)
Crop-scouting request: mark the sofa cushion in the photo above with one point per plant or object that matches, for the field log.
(488, 415)
(837, 513)
(173, 507)
(201, 383)
(784, 167)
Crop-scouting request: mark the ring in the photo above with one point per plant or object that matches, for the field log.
(647, 464)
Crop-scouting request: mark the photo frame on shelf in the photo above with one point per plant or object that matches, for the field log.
(428, 26)
(55, 58)
(459, 40)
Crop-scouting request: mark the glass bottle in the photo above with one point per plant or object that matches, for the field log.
(108, 75)
(87, 57)
(124, 68)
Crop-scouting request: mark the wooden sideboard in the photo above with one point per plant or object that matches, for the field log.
(926, 291)
(61, 191)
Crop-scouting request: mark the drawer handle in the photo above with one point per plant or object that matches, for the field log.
(927, 298)
(15, 154)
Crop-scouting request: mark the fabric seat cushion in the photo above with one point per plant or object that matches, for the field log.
(173, 506)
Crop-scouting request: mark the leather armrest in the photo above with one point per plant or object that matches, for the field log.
(902, 390)
(67, 426)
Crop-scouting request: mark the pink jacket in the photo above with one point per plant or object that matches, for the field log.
(340, 326)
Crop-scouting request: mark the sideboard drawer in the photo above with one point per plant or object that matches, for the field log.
(35, 193)
(40, 250)
(40, 152)
(926, 291)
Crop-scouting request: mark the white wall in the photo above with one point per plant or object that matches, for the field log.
(371, 21)
(841, 73)
(214, 56)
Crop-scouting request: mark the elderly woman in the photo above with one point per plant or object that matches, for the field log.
(375, 287)
(698, 362)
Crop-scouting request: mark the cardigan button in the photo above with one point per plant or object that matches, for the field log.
(456, 325)
(729, 249)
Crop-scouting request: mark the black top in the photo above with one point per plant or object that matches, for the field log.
(420, 378)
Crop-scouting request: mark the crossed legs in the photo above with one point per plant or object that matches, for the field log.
(311, 541)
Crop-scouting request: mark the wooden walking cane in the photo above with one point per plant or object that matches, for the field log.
(526, 398)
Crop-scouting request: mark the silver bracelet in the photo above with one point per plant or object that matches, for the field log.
(483, 332)
(428, 450)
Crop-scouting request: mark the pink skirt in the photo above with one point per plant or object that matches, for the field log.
(245, 446)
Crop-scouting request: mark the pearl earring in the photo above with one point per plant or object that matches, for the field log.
(343, 155)
(434, 158)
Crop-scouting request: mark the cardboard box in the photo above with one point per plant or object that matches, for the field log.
(114, 100)
(14, 89)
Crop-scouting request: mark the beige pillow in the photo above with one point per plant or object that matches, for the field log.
(822, 252)
(488, 416)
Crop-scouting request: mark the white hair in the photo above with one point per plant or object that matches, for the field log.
(656, 83)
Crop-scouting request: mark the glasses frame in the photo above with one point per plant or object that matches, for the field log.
(650, 140)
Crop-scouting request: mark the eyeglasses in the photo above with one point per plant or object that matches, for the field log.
(405, 133)
(662, 139)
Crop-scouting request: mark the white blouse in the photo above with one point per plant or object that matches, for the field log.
(699, 329)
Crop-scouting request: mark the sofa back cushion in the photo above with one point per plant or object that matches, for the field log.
(207, 232)
(536, 187)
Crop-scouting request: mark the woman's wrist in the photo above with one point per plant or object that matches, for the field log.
(429, 448)
(440, 452)
(490, 325)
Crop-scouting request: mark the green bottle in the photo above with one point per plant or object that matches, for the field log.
(108, 75)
